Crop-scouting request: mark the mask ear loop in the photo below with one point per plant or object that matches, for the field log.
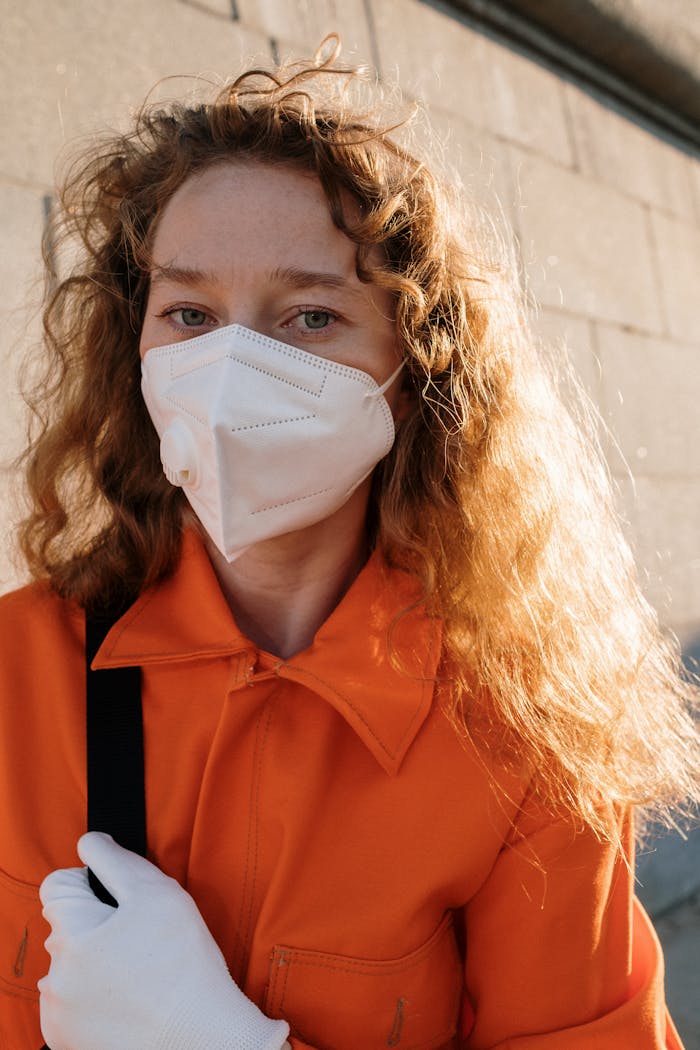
(387, 382)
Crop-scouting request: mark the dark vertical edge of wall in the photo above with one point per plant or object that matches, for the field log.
(639, 62)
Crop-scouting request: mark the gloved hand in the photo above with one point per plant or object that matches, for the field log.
(145, 975)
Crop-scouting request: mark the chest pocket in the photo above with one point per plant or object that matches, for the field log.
(23, 960)
(339, 1003)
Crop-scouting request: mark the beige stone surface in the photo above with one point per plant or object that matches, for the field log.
(677, 247)
(651, 399)
(435, 57)
(22, 210)
(610, 147)
(525, 103)
(694, 166)
(301, 26)
(472, 157)
(568, 339)
(224, 9)
(445, 62)
(586, 246)
(22, 213)
(72, 67)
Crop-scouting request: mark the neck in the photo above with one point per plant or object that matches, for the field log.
(282, 590)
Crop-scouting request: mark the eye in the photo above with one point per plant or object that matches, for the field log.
(307, 322)
(182, 318)
(315, 319)
(190, 317)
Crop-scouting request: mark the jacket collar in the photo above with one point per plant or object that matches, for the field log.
(374, 660)
(184, 618)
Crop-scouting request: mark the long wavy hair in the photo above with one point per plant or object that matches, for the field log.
(493, 496)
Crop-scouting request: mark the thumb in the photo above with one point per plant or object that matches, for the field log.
(118, 869)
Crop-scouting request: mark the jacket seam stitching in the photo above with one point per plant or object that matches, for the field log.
(246, 918)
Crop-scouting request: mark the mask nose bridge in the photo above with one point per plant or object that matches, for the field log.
(245, 357)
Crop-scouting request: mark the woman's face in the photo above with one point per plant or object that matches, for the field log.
(254, 244)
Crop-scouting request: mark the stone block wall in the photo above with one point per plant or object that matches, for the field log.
(606, 212)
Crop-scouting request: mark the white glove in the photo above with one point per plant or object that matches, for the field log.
(147, 975)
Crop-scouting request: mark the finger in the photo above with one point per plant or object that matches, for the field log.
(118, 869)
(46, 1010)
(72, 917)
(63, 883)
(69, 905)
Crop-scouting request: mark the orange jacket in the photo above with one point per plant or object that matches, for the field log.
(368, 877)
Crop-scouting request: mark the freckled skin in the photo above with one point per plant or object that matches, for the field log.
(223, 251)
(239, 223)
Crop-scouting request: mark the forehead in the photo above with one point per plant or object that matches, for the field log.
(254, 209)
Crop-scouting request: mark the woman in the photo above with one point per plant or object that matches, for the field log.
(400, 692)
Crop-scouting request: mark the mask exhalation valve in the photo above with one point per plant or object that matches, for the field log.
(178, 454)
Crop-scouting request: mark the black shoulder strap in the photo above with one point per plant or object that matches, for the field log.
(116, 801)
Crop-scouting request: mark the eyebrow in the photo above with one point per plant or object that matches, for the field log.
(292, 276)
(297, 278)
(182, 275)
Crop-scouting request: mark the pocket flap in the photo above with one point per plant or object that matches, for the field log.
(341, 1003)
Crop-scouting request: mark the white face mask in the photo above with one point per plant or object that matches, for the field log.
(264, 438)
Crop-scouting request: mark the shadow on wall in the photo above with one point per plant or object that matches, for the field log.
(668, 871)
(691, 654)
(668, 868)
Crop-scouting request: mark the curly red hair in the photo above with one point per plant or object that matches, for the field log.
(492, 495)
